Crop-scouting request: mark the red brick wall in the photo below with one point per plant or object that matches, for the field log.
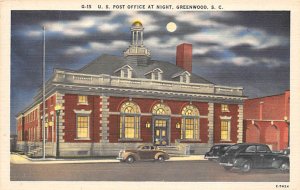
(71, 104)
(30, 123)
(20, 124)
(146, 107)
(233, 112)
(49, 107)
(275, 134)
(273, 107)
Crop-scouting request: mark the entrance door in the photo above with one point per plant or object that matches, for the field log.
(160, 132)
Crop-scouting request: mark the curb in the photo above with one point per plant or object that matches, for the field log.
(76, 161)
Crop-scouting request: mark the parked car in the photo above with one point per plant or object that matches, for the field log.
(246, 156)
(216, 151)
(286, 151)
(143, 152)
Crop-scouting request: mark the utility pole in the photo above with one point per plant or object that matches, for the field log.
(43, 124)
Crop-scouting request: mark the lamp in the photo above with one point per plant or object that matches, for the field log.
(57, 109)
(178, 125)
(148, 124)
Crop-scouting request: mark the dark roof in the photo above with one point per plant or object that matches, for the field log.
(108, 64)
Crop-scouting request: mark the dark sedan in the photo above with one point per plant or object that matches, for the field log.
(216, 151)
(246, 156)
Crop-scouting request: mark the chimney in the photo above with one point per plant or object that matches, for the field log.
(184, 56)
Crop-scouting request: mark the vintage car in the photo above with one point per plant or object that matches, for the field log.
(246, 156)
(143, 152)
(216, 151)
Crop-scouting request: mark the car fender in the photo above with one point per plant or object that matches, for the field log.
(277, 163)
(239, 162)
(126, 154)
(160, 154)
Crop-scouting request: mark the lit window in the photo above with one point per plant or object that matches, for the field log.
(82, 99)
(224, 108)
(225, 130)
(190, 123)
(130, 121)
(161, 109)
(82, 126)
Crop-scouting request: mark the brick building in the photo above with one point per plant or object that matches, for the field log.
(116, 102)
(266, 120)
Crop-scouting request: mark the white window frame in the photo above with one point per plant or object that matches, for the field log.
(137, 122)
(83, 113)
(228, 119)
(186, 77)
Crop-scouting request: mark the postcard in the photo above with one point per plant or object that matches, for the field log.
(140, 95)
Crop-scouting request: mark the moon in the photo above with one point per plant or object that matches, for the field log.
(171, 27)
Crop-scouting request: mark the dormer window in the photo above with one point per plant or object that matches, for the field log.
(124, 72)
(183, 77)
(155, 74)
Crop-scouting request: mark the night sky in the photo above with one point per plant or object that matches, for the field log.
(249, 49)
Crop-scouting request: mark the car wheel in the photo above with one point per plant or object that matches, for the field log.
(161, 158)
(227, 168)
(284, 167)
(130, 159)
(246, 167)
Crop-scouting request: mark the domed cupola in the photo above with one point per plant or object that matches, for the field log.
(137, 52)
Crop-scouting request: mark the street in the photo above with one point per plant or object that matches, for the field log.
(172, 171)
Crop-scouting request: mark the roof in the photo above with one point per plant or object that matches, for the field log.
(108, 64)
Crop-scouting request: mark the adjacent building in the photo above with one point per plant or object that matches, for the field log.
(266, 120)
(116, 102)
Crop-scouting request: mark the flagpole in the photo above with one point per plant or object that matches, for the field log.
(44, 131)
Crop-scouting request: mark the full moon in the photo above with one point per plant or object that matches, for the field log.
(171, 26)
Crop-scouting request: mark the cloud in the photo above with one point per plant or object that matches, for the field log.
(34, 33)
(108, 27)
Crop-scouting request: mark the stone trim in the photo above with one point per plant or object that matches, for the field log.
(84, 112)
(104, 114)
(60, 100)
(225, 117)
(210, 123)
(184, 94)
(240, 123)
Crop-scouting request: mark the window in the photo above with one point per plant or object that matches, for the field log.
(161, 109)
(250, 149)
(262, 149)
(190, 123)
(82, 99)
(124, 72)
(225, 130)
(82, 126)
(156, 75)
(224, 108)
(185, 78)
(130, 121)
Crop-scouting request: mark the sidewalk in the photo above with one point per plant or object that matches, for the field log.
(23, 159)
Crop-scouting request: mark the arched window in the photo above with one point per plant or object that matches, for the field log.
(130, 121)
(161, 109)
(190, 123)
